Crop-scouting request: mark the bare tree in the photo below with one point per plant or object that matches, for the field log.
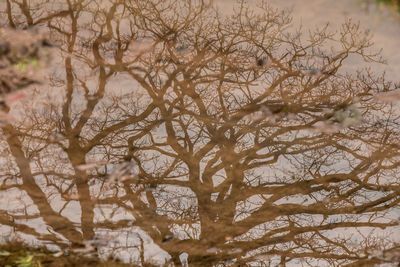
(239, 140)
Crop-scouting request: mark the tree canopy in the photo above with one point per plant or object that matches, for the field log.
(234, 139)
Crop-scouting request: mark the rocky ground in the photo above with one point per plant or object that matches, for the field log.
(16, 254)
(23, 54)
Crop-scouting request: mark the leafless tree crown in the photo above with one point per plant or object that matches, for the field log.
(236, 139)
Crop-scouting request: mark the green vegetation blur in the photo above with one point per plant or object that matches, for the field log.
(394, 4)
